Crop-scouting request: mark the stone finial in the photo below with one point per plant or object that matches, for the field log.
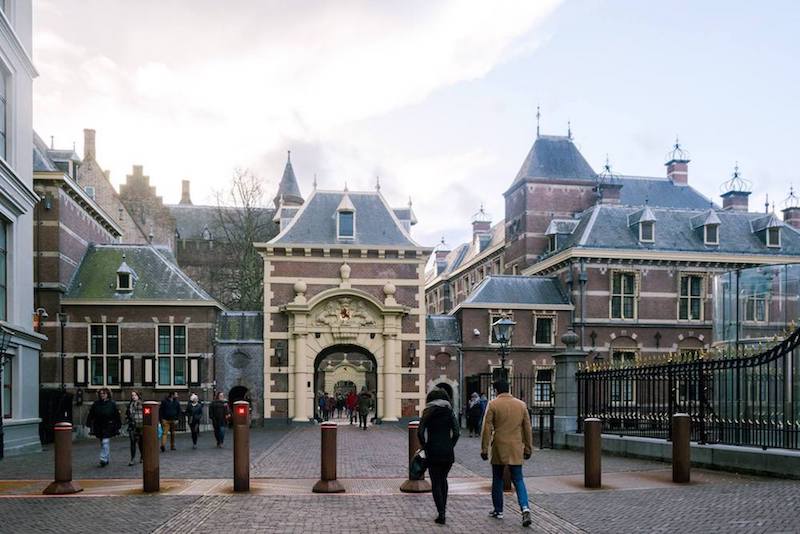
(300, 288)
(570, 339)
(344, 272)
(389, 289)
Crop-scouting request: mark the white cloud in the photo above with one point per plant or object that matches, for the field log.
(195, 91)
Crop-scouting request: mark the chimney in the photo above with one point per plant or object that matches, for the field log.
(678, 164)
(481, 228)
(735, 200)
(440, 256)
(89, 150)
(186, 197)
(791, 216)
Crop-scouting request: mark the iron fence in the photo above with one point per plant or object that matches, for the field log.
(748, 400)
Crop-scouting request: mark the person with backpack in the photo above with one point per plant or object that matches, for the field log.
(104, 422)
(438, 433)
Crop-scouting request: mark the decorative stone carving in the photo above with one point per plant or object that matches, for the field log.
(344, 271)
(389, 289)
(345, 311)
(300, 287)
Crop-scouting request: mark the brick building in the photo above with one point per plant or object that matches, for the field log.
(344, 292)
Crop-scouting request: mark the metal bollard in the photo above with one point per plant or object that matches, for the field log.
(681, 449)
(414, 485)
(241, 446)
(151, 476)
(592, 475)
(62, 450)
(328, 482)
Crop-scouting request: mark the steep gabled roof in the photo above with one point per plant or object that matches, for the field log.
(660, 193)
(518, 290)
(375, 222)
(557, 158)
(288, 189)
(41, 156)
(190, 220)
(158, 277)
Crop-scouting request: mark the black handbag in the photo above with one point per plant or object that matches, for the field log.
(416, 471)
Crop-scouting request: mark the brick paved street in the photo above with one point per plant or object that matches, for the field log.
(196, 492)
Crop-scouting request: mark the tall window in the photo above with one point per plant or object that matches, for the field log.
(346, 224)
(544, 330)
(773, 237)
(711, 234)
(690, 306)
(3, 113)
(623, 295)
(172, 355)
(104, 354)
(7, 383)
(3, 270)
(647, 231)
(755, 308)
(543, 387)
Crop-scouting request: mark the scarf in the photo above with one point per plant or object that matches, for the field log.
(439, 402)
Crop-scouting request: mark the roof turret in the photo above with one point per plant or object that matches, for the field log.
(288, 190)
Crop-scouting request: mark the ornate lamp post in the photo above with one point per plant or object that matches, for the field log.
(502, 329)
(412, 356)
(5, 340)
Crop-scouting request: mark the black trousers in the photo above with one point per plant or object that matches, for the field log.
(195, 428)
(135, 436)
(438, 472)
(362, 419)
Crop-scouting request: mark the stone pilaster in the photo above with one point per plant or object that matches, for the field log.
(566, 395)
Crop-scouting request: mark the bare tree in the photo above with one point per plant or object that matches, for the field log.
(242, 220)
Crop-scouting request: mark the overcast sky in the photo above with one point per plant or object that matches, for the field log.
(437, 97)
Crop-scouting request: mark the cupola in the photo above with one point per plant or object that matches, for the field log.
(735, 192)
(678, 164)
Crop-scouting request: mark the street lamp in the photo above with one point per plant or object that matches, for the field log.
(5, 340)
(279, 354)
(412, 356)
(502, 329)
(62, 321)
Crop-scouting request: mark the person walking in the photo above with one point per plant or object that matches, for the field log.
(474, 415)
(484, 404)
(352, 404)
(169, 412)
(135, 417)
(438, 433)
(194, 414)
(364, 406)
(220, 414)
(321, 406)
(104, 422)
(507, 430)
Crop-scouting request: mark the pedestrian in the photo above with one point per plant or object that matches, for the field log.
(339, 405)
(364, 406)
(330, 407)
(321, 404)
(484, 404)
(135, 417)
(507, 430)
(104, 422)
(352, 404)
(194, 414)
(220, 414)
(169, 412)
(438, 433)
(474, 415)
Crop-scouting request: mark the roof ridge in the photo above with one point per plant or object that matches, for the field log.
(185, 277)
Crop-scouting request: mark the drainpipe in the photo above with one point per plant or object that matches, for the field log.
(460, 383)
(582, 279)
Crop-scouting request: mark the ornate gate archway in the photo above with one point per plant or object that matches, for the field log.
(348, 367)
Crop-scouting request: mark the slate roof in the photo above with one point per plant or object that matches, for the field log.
(41, 157)
(511, 290)
(288, 187)
(442, 329)
(464, 253)
(158, 276)
(659, 192)
(375, 222)
(190, 221)
(606, 226)
(557, 158)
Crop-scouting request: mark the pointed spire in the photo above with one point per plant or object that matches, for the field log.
(569, 129)
(345, 186)
(288, 188)
(538, 118)
(409, 201)
(377, 183)
(766, 203)
(315, 181)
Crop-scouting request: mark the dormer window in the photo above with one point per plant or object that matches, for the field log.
(346, 224)
(711, 234)
(552, 242)
(124, 282)
(647, 231)
(774, 236)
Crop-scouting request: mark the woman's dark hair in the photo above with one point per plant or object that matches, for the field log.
(437, 394)
(106, 391)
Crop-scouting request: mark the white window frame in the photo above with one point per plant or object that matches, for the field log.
(754, 299)
(172, 356)
(689, 297)
(652, 232)
(338, 225)
(770, 243)
(706, 240)
(552, 318)
(552, 242)
(128, 287)
(622, 295)
(494, 315)
(104, 356)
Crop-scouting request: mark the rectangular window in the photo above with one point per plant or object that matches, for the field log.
(164, 371)
(3, 270)
(164, 340)
(690, 305)
(172, 362)
(773, 237)
(148, 371)
(96, 371)
(96, 334)
(646, 231)
(179, 339)
(104, 349)
(622, 389)
(544, 385)
(494, 317)
(346, 224)
(712, 234)
(623, 295)
(112, 339)
(544, 330)
(755, 308)
(112, 371)
(8, 389)
(552, 242)
(126, 371)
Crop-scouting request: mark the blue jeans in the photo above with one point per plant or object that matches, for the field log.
(105, 450)
(497, 486)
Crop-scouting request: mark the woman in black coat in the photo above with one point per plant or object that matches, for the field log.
(438, 433)
(104, 422)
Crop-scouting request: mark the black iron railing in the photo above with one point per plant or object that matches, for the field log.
(747, 400)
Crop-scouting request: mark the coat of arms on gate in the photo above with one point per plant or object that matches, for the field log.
(345, 312)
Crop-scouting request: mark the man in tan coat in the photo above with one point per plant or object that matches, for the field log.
(507, 429)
